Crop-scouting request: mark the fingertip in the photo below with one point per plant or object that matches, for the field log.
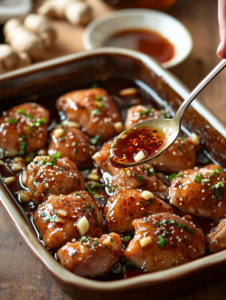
(221, 52)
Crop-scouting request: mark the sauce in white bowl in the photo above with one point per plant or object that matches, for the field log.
(100, 31)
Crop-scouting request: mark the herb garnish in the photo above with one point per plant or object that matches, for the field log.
(95, 139)
(11, 121)
(215, 172)
(127, 238)
(121, 267)
(150, 171)
(146, 111)
(220, 189)
(174, 223)
(197, 177)
(94, 86)
(162, 241)
(98, 98)
(23, 112)
(205, 180)
(51, 218)
(171, 177)
(140, 178)
(23, 144)
(100, 104)
(95, 242)
(83, 239)
(95, 111)
(39, 122)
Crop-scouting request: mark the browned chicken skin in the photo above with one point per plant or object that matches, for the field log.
(136, 177)
(56, 218)
(92, 109)
(201, 192)
(47, 175)
(167, 244)
(91, 257)
(23, 128)
(74, 144)
(125, 206)
(217, 238)
(140, 113)
(180, 156)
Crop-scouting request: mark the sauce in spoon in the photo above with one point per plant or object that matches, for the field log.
(136, 144)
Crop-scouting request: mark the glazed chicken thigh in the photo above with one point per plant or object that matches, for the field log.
(93, 109)
(136, 177)
(50, 175)
(91, 257)
(217, 237)
(164, 241)
(23, 128)
(57, 219)
(140, 113)
(180, 156)
(201, 192)
(72, 143)
(125, 206)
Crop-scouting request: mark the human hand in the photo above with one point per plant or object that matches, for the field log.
(221, 50)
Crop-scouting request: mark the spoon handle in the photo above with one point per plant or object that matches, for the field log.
(198, 89)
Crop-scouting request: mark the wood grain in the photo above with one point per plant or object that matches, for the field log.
(22, 276)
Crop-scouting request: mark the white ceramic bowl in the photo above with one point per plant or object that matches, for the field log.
(102, 28)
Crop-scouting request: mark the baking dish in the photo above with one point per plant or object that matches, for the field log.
(55, 77)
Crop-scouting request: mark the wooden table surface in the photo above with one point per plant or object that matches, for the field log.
(22, 276)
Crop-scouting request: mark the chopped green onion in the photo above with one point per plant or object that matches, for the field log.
(23, 112)
(94, 86)
(11, 121)
(100, 104)
(171, 177)
(215, 172)
(39, 122)
(95, 111)
(94, 140)
(127, 238)
(197, 177)
(98, 98)
(205, 180)
(140, 178)
(162, 241)
(147, 111)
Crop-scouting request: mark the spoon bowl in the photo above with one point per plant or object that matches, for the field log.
(167, 128)
(126, 150)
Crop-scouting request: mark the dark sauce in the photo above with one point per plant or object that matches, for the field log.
(154, 4)
(101, 192)
(145, 41)
(145, 139)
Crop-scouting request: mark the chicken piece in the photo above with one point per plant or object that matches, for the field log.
(140, 113)
(136, 177)
(23, 128)
(217, 238)
(201, 192)
(90, 257)
(164, 241)
(72, 143)
(93, 109)
(125, 206)
(56, 219)
(180, 156)
(50, 175)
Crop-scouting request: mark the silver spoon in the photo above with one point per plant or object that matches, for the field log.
(171, 127)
